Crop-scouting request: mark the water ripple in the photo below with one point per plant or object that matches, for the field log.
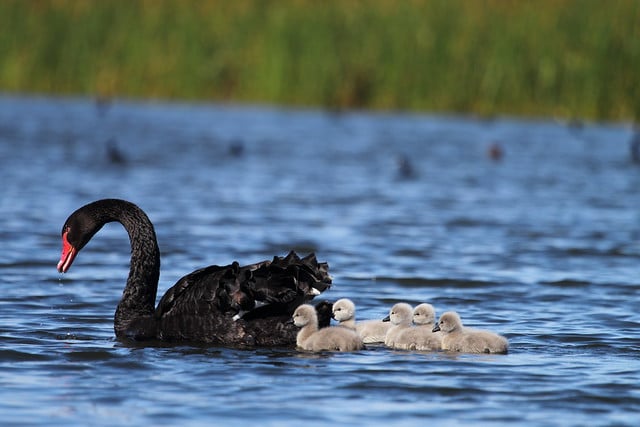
(531, 248)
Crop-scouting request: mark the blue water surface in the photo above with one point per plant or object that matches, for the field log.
(542, 246)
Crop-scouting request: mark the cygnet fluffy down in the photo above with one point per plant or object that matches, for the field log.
(371, 331)
(332, 338)
(400, 317)
(455, 337)
(421, 337)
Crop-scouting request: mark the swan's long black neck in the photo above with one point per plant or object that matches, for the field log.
(135, 311)
(139, 295)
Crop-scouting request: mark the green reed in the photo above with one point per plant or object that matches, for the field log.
(577, 58)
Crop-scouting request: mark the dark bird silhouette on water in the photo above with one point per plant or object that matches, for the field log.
(114, 155)
(405, 169)
(495, 152)
(236, 148)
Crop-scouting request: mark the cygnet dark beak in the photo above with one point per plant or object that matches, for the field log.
(289, 322)
(436, 328)
(387, 319)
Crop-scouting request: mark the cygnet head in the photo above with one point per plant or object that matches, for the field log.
(400, 313)
(344, 309)
(449, 322)
(424, 314)
(304, 315)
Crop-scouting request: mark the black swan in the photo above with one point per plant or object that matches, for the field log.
(225, 305)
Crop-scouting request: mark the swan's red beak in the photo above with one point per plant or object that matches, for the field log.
(68, 254)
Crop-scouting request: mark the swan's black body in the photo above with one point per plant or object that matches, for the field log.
(201, 306)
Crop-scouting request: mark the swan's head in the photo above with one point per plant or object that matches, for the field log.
(304, 314)
(344, 309)
(400, 313)
(424, 314)
(449, 322)
(77, 230)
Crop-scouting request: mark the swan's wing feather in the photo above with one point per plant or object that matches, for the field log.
(197, 292)
(289, 278)
(283, 284)
(266, 288)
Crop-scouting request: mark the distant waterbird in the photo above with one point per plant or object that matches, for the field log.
(404, 168)
(495, 152)
(115, 156)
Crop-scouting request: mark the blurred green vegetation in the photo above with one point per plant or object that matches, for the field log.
(566, 58)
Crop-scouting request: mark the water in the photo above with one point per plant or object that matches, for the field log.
(542, 247)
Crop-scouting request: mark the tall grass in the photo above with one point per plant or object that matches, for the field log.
(571, 58)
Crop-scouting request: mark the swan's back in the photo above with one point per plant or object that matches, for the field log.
(334, 338)
(479, 341)
(372, 331)
(244, 305)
